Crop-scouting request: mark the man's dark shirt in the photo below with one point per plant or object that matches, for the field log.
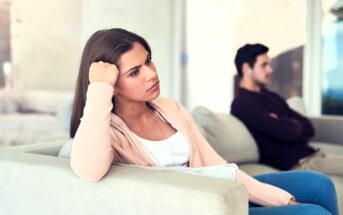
(282, 142)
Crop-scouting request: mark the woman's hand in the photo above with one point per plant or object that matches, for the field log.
(292, 201)
(103, 72)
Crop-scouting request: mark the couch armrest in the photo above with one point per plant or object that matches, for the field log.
(64, 110)
(328, 129)
(44, 148)
(40, 184)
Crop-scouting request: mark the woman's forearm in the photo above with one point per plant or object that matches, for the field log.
(92, 152)
(262, 193)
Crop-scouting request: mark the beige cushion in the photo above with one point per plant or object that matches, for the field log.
(229, 137)
(41, 101)
(296, 103)
(9, 101)
(328, 148)
(257, 169)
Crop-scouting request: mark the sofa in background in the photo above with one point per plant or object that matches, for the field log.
(28, 116)
(232, 140)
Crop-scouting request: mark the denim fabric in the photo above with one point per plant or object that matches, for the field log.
(314, 190)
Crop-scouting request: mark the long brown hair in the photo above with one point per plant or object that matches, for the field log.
(104, 45)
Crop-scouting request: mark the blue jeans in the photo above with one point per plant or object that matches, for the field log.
(314, 190)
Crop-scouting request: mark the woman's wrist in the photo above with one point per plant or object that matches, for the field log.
(292, 201)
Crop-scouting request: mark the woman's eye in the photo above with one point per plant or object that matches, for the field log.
(134, 73)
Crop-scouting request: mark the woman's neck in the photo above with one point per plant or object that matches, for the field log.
(133, 111)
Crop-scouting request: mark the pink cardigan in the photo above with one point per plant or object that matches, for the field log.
(103, 138)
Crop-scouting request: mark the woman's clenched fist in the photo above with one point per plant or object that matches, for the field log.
(103, 72)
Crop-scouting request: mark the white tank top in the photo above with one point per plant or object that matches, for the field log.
(173, 151)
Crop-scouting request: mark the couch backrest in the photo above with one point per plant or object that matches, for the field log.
(51, 148)
(228, 136)
(43, 100)
(297, 104)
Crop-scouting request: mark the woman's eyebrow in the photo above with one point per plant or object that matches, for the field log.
(136, 67)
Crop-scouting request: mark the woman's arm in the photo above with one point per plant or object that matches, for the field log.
(262, 193)
(92, 153)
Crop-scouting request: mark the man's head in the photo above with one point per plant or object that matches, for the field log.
(253, 64)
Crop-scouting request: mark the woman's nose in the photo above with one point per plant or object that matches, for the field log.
(150, 73)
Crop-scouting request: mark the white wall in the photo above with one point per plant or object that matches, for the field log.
(208, 46)
(45, 40)
(48, 39)
(217, 28)
(151, 19)
(280, 24)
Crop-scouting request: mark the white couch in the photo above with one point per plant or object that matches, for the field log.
(35, 115)
(34, 181)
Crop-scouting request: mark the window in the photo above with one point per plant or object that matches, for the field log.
(332, 57)
(4, 38)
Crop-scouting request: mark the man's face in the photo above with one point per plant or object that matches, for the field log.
(261, 71)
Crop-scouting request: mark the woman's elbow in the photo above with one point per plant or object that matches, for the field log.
(87, 173)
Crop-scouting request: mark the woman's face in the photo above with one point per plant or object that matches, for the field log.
(138, 79)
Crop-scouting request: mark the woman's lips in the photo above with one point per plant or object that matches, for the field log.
(154, 87)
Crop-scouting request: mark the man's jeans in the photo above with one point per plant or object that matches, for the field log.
(315, 192)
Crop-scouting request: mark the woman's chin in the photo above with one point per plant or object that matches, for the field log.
(155, 95)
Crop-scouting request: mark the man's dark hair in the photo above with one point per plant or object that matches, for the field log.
(248, 54)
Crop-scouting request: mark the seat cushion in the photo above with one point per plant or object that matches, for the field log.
(328, 148)
(228, 136)
(257, 169)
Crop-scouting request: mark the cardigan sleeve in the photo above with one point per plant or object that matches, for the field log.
(92, 153)
(262, 193)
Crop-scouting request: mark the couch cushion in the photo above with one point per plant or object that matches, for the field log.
(65, 151)
(228, 136)
(9, 101)
(29, 122)
(328, 148)
(254, 169)
(297, 103)
(44, 101)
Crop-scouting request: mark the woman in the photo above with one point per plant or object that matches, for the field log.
(118, 117)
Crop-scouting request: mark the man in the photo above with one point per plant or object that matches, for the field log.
(281, 134)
